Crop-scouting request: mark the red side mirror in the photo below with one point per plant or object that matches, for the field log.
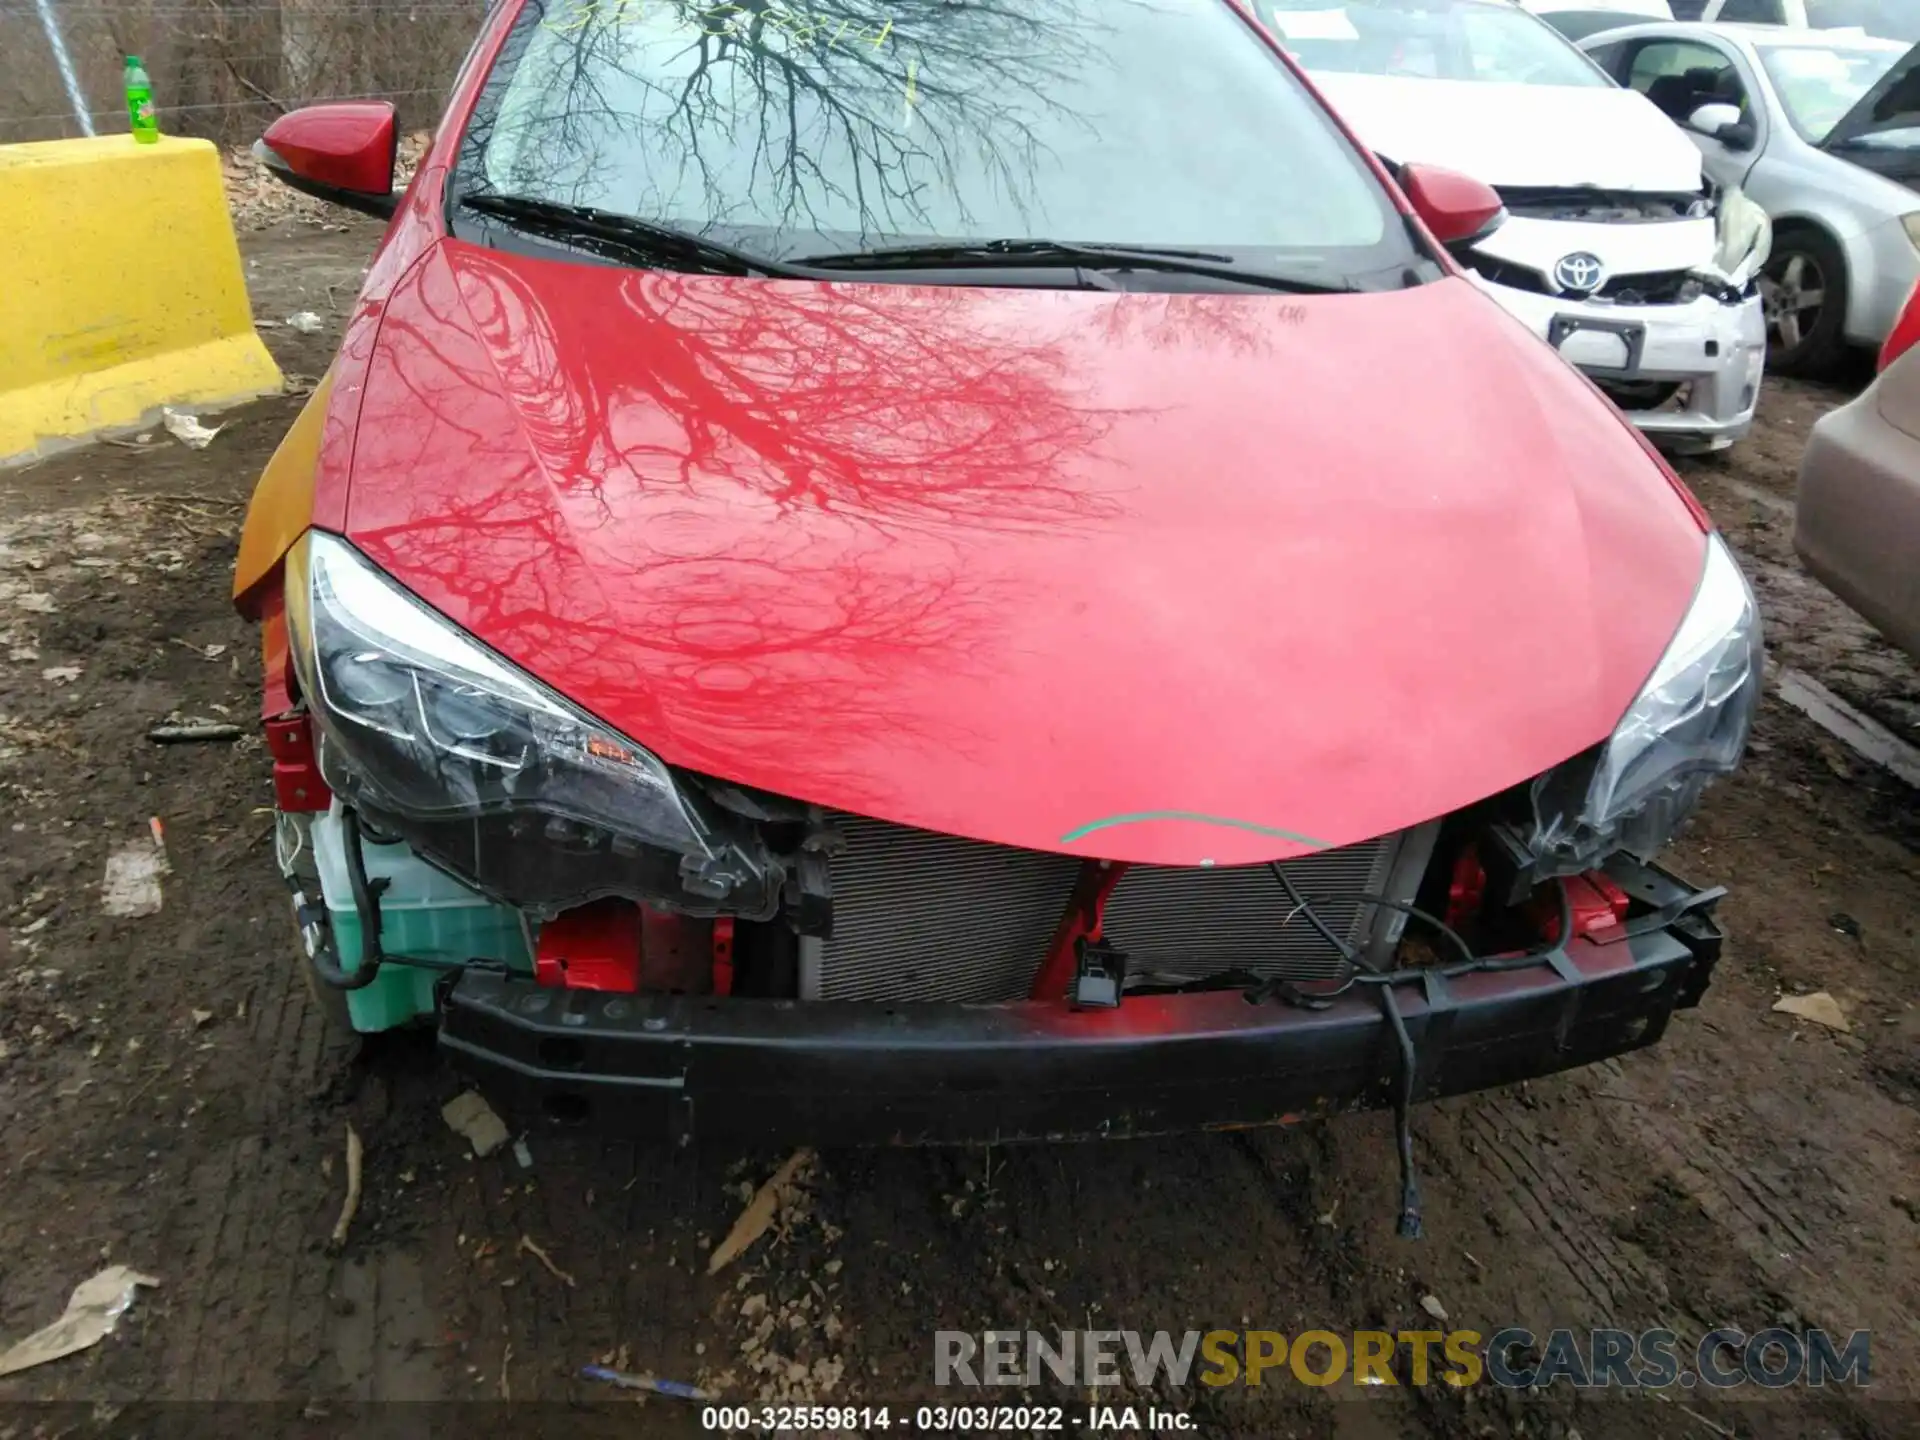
(343, 152)
(1458, 209)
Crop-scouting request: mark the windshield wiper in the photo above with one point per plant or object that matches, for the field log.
(626, 236)
(1013, 254)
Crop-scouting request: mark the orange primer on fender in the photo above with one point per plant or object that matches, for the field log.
(276, 673)
(282, 504)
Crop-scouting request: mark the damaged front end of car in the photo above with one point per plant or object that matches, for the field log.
(1633, 287)
(610, 940)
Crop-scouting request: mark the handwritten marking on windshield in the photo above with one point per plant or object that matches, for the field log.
(1080, 832)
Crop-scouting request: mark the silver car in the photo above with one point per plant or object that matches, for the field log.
(1822, 129)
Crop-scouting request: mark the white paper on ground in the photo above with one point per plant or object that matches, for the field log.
(93, 1309)
(187, 429)
(132, 883)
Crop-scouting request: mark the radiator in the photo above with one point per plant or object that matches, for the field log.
(921, 916)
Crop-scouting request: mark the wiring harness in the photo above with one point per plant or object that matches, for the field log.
(1384, 981)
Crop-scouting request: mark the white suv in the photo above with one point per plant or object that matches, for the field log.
(1619, 251)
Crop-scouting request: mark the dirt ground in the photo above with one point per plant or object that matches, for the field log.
(169, 1100)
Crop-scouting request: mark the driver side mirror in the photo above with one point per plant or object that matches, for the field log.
(343, 153)
(1721, 121)
(1459, 210)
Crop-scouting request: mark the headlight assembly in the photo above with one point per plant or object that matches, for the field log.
(1911, 223)
(1688, 724)
(480, 765)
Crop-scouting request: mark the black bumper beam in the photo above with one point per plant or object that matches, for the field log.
(781, 1071)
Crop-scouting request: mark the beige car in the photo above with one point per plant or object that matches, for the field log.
(1858, 527)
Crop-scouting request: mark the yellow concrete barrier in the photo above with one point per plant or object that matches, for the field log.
(120, 290)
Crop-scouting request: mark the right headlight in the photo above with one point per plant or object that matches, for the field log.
(1688, 724)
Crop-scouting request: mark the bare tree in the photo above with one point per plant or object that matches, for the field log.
(872, 105)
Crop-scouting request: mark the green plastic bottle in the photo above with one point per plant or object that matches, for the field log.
(146, 129)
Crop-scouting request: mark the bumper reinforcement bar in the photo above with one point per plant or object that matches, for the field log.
(865, 1073)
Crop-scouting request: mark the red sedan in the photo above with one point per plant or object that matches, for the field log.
(944, 575)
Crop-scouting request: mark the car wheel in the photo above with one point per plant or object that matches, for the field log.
(1804, 291)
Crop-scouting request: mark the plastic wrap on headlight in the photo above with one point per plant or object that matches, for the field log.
(422, 725)
(1688, 724)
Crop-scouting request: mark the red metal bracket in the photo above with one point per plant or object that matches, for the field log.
(1086, 911)
(593, 947)
(297, 784)
(618, 945)
(1598, 904)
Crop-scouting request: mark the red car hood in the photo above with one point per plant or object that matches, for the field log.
(1151, 577)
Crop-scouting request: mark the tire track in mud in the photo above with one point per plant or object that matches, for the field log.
(1554, 1207)
(255, 1372)
(1797, 1224)
(199, 1139)
(213, 1185)
(249, 1239)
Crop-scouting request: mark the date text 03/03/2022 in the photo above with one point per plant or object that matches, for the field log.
(944, 1419)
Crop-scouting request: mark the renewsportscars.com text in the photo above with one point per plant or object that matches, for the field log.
(1512, 1357)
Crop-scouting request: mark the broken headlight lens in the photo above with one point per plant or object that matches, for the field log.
(423, 725)
(1688, 724)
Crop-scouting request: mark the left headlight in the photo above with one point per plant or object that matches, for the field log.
(1743, 236)
(1688, 724)
(478, 762)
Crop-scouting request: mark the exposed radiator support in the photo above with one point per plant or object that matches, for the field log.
(921, 916)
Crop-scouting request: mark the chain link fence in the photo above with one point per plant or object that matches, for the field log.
(224, 69)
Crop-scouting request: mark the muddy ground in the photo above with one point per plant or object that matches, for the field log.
(171, 1101)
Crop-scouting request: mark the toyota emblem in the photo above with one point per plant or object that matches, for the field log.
(1579, 273)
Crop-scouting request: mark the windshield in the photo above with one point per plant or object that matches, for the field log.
(1888, 19)
(846, 125)
(1819, 84)
(1489, 40)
